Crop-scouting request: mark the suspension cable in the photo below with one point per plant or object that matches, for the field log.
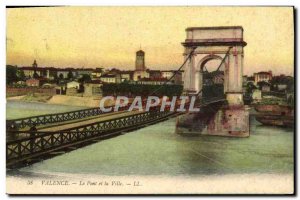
(190, 54)
(227, 53)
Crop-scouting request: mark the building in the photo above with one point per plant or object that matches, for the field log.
(73, 84)
(154, 73)
(282, 82)
(281, 87)
(262, 76)
(123, 75)
(34, 69)
(140, 61)
(173, 75)
(51, 73)
(35, 82)
(62, 73)
(250, 79)
(167, 74)
(93, 89)
(140, 74)
(126, 75)
(96, 73)
(256, 96)
(140, 68)
(72, 92)
(49, 85)
(32, 82)
(43, 72)
(84, 71)
(152, 81)
(265, 87)
(29, 71)
(111, 78)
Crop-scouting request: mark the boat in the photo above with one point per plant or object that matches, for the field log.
(275, 120)
(275, 115)
(274, 109)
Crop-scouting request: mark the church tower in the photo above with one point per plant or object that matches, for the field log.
(34, 65)
(140, 61)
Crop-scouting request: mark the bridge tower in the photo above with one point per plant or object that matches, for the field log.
(215, 43)
(202, 45)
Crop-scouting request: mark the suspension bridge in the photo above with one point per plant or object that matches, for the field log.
(219, 94)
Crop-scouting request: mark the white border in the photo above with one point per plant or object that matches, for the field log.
(106, 3)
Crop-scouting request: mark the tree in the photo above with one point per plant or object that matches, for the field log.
(70, 75)
(260, 84)
(130, 90)
(55, 77)
(85, 78)
(11, 74)
(35, 75)
(61, 76)
(250, 87)
(21, 75)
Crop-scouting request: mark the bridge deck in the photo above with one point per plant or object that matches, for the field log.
(85, 121)
(46, 144)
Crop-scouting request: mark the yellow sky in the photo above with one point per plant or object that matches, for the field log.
(110, 36)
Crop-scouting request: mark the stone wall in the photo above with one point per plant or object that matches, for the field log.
(14, 91)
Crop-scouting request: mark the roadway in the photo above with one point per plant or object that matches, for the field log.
(85, 121)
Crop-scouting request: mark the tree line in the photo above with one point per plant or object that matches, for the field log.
(131, 90)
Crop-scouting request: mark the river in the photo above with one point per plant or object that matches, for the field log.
(157, 150)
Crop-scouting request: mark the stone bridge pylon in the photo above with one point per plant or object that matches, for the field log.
(224, 44)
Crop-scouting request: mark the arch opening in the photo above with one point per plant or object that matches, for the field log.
(211, 77)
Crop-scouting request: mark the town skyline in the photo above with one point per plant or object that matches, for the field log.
(108, 69)
(61, 37)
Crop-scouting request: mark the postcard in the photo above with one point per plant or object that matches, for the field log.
(153, 100)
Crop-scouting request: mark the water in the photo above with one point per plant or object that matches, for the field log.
(157, 150)
(19, 109)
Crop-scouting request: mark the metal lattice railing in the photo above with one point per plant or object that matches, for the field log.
(55, 118)
(40, 142)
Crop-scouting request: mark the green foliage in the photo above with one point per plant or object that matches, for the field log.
(61, 76)
(132, 90)
(11, 74)
(290, 85)
(250, 87)
(260, 84)
(35, 75)
(70, 75)
(21, 75)
(285, 80)
(85, 78)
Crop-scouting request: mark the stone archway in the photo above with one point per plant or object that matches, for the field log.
(225, 43)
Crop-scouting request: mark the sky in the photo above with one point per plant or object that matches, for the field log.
(109, 36)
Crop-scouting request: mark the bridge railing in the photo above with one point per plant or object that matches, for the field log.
(55, 118)
(40, 142)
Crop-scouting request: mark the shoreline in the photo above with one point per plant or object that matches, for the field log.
(63, 100)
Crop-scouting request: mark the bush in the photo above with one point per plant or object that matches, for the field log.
(131, 90)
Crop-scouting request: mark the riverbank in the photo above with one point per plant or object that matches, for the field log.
(18, 109)
(74, 101)
(58, 99)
